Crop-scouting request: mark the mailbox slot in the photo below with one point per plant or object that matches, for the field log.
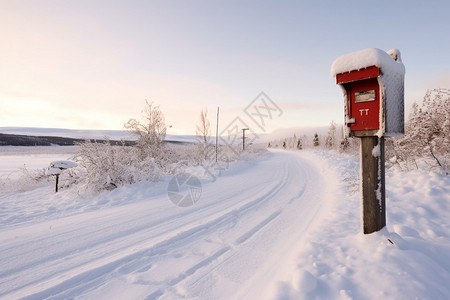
(365, 96)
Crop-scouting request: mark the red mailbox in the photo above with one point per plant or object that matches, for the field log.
(373, 84)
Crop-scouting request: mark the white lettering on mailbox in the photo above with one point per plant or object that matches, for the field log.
(364, 110)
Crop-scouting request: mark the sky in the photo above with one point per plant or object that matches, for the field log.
(93, 64)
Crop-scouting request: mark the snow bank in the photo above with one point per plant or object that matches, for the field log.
(409, 259)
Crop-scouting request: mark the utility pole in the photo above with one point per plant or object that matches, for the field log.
(217, 131)
(243, 138)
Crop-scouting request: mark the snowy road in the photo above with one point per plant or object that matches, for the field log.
(232, 243)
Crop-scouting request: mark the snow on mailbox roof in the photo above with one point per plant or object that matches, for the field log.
(388, 62)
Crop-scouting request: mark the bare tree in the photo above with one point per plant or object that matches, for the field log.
(203, 130)
(150, 131)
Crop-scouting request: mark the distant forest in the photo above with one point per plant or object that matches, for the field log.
(28, 140)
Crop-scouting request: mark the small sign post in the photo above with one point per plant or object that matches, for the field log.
(56, 168)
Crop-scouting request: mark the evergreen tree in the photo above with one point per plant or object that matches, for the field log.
(316, 140)
(299, 144)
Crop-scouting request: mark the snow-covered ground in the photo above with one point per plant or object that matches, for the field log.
(286, 226)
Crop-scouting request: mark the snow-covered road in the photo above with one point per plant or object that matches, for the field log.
(232, 243)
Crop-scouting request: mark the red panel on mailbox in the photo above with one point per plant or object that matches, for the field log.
(356, 75)
(364, 104)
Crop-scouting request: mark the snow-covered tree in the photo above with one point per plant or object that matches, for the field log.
(104, 166)
(306, 141)
(427, 132)
(150, 130)
(203, 129)
(330, 140)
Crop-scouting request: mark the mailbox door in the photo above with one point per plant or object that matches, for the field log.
(365, 104)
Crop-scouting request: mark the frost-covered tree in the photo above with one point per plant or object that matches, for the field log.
(104, 166)
(203, 129)
(427, 132)
(150, 130)
(330, 140)
(293, 142)
(306, 141)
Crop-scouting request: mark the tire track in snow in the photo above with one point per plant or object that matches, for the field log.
(257, 228)
(160, 248)
(298, 211)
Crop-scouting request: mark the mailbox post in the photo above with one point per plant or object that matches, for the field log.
(372, 82)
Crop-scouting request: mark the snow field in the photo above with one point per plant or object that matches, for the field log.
(286, 226)
(13, 158)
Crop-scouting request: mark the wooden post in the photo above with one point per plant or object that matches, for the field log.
(57, 179)
(373, 184)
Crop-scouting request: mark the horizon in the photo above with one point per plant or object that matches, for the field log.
(125, 134)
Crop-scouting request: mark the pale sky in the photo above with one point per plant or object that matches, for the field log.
(92, 64)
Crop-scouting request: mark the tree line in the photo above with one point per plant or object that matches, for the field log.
(426, 142)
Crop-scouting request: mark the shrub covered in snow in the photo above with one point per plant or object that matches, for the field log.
(104, 166)
(150, 131)
(24, 181)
